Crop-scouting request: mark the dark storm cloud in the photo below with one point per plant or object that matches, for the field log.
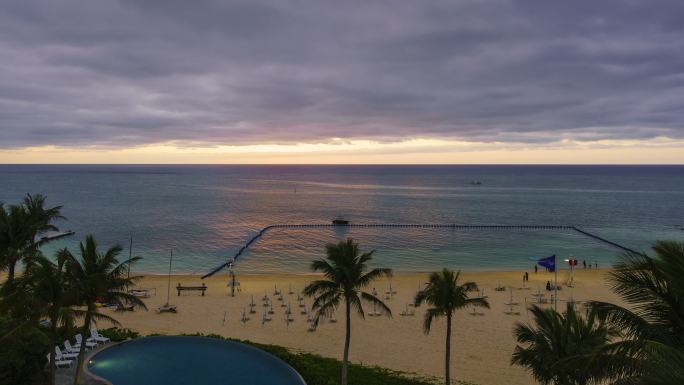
(122, 73)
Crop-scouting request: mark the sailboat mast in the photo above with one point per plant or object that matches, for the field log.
(168, 286)
(130, 255)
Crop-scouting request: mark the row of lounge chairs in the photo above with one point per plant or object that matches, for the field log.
(64, 358)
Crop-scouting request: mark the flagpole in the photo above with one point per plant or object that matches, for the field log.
(555, 286)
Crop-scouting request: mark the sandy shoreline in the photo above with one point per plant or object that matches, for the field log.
(481, 345)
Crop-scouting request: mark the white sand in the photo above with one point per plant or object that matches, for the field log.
(481, 345)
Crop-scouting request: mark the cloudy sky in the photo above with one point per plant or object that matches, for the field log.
(476, 81)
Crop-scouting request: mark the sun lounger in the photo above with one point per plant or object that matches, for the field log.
(69, 348)
(89, 343)
(97, 337)
(60, 363)
(167, 308)
(64, 356)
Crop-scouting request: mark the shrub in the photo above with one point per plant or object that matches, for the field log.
(319, 370)
(117, 335)
(23, 355)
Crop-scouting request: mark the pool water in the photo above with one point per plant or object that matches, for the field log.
(185, 360)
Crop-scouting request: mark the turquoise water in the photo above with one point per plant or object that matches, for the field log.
(206, 213)
(178, 360)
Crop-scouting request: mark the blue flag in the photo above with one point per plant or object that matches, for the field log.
(548, 262)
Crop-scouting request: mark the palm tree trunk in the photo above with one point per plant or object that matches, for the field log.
(53, 343)
(81, 351)
(10, 272)
(447, 359)
(347, 337)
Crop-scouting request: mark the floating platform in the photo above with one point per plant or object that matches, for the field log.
(56, 235)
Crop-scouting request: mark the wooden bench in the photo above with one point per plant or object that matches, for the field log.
(202, 288)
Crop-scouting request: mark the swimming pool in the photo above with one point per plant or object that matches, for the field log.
(185, 360)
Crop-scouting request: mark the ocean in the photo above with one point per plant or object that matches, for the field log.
(206, 213)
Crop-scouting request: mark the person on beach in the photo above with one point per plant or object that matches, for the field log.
(584, 263)
(548, 285)
(535, 269)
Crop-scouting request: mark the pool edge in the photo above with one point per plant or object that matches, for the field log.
(93, 353)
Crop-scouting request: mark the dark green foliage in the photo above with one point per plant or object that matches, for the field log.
(117, 335)
(20, 225)
(445, 294)
(651, 350)
(23, 355)
(558, 348)
(345, 277)
(97, 276)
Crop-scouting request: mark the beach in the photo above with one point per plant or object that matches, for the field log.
(481, 344)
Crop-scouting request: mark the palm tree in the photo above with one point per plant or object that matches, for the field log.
(345, 274)
(560, 348)
(651, 347)
(98, 276)
(50, 297)
(20, 226)
(444, 294)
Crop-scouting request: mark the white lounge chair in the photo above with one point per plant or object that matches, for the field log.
(69, 348)
(60, 363)
(97, 337)
(64, 356)
(89, 344)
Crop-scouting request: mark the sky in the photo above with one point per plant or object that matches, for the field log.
(298, 81)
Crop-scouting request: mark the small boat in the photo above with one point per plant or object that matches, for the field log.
(339, 221)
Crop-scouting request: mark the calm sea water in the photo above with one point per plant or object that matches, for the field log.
(206, 213)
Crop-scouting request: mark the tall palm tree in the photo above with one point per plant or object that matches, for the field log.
(445, 295)
(651, 347)
(345, 274)
(50, 297)
(96, 276)
(560, 348)
(20, 226)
